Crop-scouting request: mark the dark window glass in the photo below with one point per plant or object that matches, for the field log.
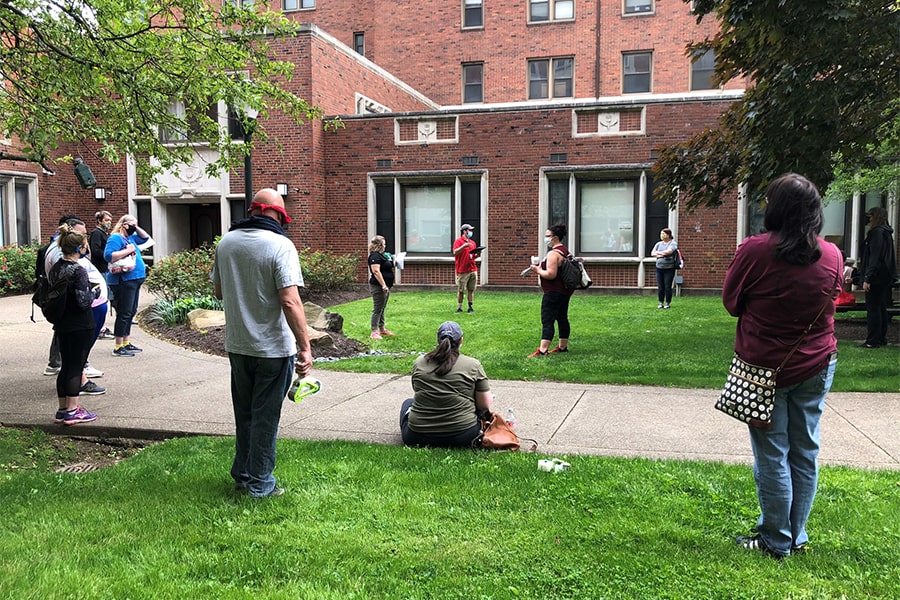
(702, 69)
(636, 73)
(559, 201)
(384, 215)
(473, 15)
(470, 207)
(473, 84)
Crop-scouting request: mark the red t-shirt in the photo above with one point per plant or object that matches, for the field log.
(775, 302)
(464, 261)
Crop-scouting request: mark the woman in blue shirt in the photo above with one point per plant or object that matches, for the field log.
(125, 284)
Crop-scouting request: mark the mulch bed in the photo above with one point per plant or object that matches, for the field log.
(212, 340)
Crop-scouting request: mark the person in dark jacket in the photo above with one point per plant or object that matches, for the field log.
(75, 332)
(879, 270)
(98, 239)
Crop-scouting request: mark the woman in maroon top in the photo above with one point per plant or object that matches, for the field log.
(555, 302)
(776, 284)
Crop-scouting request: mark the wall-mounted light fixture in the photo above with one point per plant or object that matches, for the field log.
(84, 175)
(99, 194)
(282, 189)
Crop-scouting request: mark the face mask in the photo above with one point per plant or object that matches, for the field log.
(468, 234)
(547, 240)
(105, 226)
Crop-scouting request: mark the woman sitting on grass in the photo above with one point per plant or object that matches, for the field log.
(450, 390)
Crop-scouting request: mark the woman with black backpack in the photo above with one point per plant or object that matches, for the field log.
(75, 330)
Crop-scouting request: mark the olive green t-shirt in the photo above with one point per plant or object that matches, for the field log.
(446, 404)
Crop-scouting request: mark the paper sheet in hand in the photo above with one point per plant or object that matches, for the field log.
(398, 259)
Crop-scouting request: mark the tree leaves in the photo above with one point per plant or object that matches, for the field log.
(107, 71)
(824, 86)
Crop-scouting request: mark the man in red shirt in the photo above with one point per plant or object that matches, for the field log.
(466, 267)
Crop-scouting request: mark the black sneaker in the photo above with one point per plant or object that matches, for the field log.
(132, 348)
(122, 351)
(459, 310)
(757, 544)
(471, 310)
(91, 389)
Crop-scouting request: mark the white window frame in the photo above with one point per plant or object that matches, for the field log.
(557, 10)
(448, 227)
(295, 5)
(638, 7)
(9, 230)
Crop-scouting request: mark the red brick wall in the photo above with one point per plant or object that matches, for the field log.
(423, 44)
(513, 146)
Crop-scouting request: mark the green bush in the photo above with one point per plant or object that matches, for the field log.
(325, 271)
(186, 274)
(17, 269)
(175, 313)
(182, 275)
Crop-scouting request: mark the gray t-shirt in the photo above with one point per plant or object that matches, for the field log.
(446, 404)
(666, 262)
(251, 265)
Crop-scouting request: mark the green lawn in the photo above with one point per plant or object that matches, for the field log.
(368, 521)
(615, 340)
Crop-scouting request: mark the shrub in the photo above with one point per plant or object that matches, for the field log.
(325, 271)
(17, 269)
(186, 274)
(182, 275)
(176, 312)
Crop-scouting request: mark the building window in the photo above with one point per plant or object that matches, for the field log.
(359, 42)
(703, 65)
(607, 215)
(638, 7)
(473, 82)
(551, 10)
(636, 69)
(191, 130)
(18, 211)
(473, 13)
(291, 5)
(550, 78)
(240, 3)
(423, 217)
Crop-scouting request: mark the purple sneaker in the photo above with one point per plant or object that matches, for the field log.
(79, 415)
(60, 416)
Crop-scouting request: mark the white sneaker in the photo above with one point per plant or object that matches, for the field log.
(92, 373)
(51, 370)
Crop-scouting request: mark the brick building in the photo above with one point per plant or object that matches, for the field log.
(511, 116)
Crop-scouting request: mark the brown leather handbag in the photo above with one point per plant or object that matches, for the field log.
(497, 434)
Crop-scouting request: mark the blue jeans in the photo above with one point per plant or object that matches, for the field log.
(258, 389)
(785, 461)
(127, 294)
(664, 280)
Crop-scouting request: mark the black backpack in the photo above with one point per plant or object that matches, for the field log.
(52, 298)
(40, 278)
(572, 273)
(679, 259)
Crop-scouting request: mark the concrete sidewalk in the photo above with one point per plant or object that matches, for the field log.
(168, 391)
